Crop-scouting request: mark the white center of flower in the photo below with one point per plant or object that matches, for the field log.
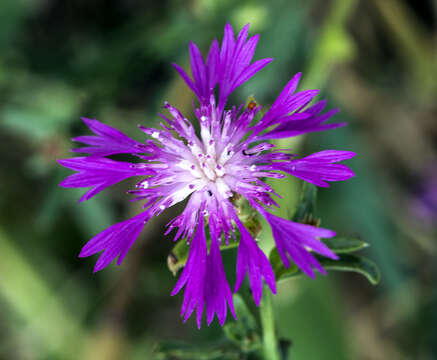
(206, 166)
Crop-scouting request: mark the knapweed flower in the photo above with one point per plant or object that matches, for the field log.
(229, 155)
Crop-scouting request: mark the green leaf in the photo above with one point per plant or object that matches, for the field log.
(284, 348)
(278, 267)
(183, 351)
(354, 263)
(244, 332)
(307, 204)
(346, 262)
(343, 245)
(247, 214)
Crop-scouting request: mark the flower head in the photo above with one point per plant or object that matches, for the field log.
(229, 155)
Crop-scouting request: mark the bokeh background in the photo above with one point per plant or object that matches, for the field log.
(110, 60)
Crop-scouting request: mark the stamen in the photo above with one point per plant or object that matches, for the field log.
(219, 170)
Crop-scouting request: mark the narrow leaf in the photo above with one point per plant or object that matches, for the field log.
(184, 351)
(346, 262)
(354, 263)
(343, 245)
(244, 332)
(278, 267)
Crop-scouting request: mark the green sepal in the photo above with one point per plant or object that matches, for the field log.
(307, 204)
(178, 256)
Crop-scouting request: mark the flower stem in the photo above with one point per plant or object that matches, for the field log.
(270, 343)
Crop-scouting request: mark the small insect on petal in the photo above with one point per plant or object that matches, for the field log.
(251, 105)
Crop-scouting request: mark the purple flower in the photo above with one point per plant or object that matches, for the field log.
(229, 155)
(297, 241)
(423, 206)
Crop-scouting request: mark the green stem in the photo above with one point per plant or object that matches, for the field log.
(270, 343)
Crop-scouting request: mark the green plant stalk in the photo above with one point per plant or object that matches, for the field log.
(270, 342)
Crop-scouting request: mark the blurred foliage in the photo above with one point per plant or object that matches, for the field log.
(110, 60)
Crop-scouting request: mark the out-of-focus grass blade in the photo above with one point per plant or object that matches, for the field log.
(45, 318)
(41, 110)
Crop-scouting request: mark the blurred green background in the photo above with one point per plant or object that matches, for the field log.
(110, 60)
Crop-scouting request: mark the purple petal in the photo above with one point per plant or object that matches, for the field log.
(289, 89)
(108, 141)
(332, 156)
(212, 64)
(250, 71)
(285, 133)
(198, 69)
(319, 167)
(235, 58)
(252, 259)
(187, 79)
(115, 241)
(205, 281)
(98, 173)
(228, 45)
(295, 241)
(310, 122)
(193, 276)
(217, 293)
